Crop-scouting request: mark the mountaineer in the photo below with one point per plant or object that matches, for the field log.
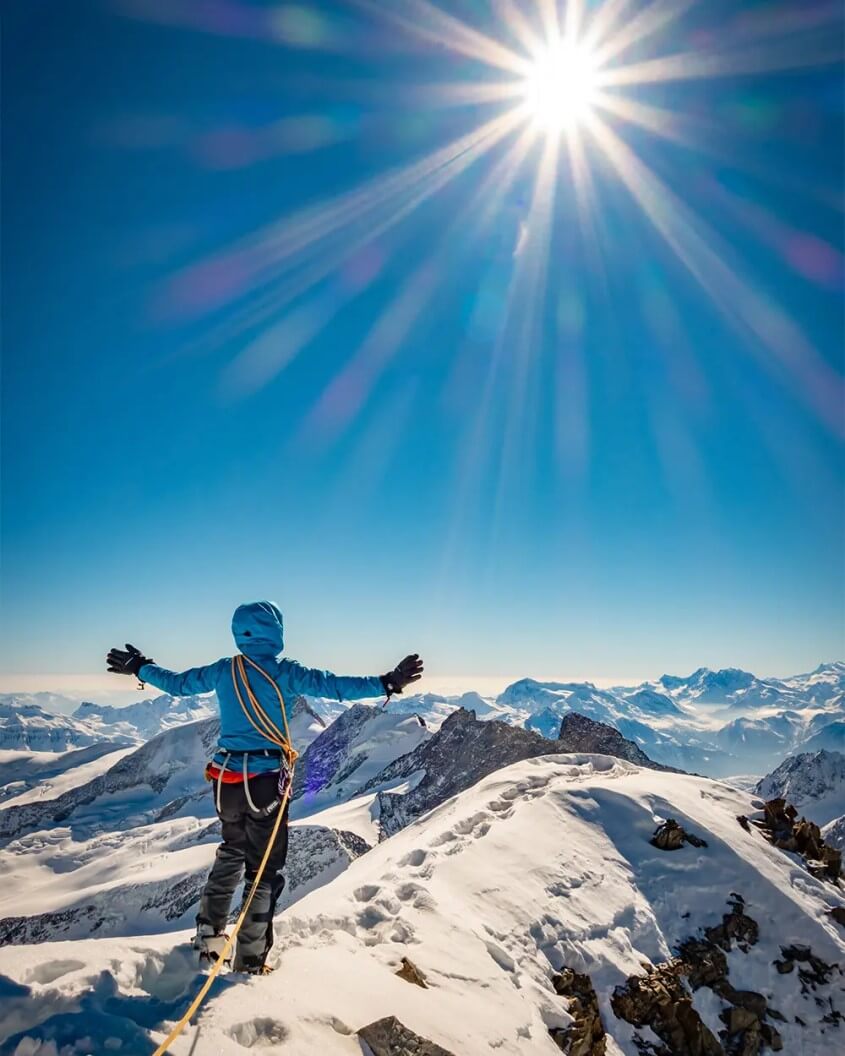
(252, 767)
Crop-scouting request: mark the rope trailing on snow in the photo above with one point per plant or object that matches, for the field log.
(267, 728)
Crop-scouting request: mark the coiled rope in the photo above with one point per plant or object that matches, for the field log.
(267, 728)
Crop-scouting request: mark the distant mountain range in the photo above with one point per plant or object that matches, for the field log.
(719, 723)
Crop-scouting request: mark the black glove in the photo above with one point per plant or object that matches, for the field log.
(408, 671)
(127, 661)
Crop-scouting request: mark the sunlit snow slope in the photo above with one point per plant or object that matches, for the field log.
(542, 865)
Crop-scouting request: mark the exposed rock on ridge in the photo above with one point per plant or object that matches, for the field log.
(580, 734)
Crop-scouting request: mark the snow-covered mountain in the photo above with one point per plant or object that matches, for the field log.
(24, 726)
(814, 782)
(830, 736)
(356, 747)
(54, 703)
(834, 832)
(533, 903)
(719, 723)
(146, 718)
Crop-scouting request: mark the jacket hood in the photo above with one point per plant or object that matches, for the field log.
(258, 627)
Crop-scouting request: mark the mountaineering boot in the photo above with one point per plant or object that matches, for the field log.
(252, 966)
(262, 969)
(210, 944)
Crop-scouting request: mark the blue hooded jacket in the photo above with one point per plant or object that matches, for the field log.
(259, 634)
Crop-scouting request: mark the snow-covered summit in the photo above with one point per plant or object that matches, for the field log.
(814, 782)
(543, 866)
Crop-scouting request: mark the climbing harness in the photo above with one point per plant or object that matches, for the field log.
(267, 728)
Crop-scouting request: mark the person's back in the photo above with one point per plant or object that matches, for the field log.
(251, 768)
(258, 630)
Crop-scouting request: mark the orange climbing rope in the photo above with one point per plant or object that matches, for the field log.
(267, 728)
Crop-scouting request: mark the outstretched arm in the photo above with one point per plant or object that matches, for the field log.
(318, 683)
(131, 661)
(180, 683)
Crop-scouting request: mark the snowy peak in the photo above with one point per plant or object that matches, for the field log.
(814, 782)
(359, 744)
(732, 687)
(24, 726)
(648, 700)
(146, 718)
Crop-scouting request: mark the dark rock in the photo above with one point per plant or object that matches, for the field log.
(736, 925)
(785, 967)
(660, 1001)
(741, 818)
(580, 734)
(706, 963)
(670, 836)
(812, 970)
(781, 826)
(744, 999)
(389, 1037)
(739, 1019)
(462, 752)
(585, 1036)
(411, 974)
(838, 914)
(771, 1037)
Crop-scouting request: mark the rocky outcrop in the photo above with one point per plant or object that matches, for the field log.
(389, 1037)
(670, 836)
(462, 752)
(661, 1001)
(585, 1036)
(580, 734)
(781, 826)
(812, 970)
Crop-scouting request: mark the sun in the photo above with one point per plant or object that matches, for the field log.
(561, 85)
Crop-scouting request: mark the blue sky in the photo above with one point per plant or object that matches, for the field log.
(392, 433)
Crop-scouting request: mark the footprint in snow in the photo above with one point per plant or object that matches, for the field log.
(51, 971)
(259, 1033)
(414, 858)
(366, 893)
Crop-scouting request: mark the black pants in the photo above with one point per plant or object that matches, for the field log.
(245, 837)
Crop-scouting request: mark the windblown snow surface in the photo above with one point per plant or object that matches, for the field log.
(544, 864)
